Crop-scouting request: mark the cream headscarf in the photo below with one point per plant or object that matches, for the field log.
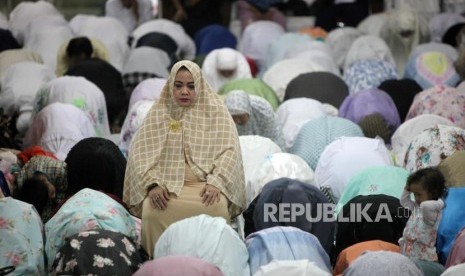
(398, 21)
(203, 135)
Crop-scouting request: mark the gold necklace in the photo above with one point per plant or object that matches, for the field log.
(175, 125)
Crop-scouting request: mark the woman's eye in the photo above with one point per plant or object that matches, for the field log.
(178, 86)
(191, 87)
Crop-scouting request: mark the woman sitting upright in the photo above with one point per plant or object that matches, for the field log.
(185, 160)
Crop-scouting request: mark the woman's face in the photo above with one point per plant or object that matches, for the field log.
(226, 73)
(241, 119)
(184, 89)
(420, 193)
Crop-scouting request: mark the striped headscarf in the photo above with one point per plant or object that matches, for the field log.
(203, 135)
(282, 244)
(262, 119)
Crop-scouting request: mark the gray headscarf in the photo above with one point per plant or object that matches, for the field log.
(382, 263)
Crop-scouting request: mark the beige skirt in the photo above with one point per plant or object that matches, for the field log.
(187, 204)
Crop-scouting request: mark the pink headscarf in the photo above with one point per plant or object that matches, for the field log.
(440, 100)
(178, 265)
(457, 253)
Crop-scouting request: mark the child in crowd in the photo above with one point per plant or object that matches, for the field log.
(37, 191)
(419, 238)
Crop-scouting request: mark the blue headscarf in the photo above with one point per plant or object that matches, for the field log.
(285, 243)
(214, 37)
(315, 135)
(429, 69)
(452, 221)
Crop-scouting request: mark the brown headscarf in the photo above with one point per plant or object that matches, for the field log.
(203, 135)
(453, 170)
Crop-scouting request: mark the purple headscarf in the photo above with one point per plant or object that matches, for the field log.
(357, 106)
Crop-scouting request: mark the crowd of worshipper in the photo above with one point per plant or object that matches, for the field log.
(142, 144)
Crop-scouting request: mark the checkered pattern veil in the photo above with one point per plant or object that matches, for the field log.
(207, 139)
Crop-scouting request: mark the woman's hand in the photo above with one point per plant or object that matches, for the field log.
(210, 194)
(159, 198)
